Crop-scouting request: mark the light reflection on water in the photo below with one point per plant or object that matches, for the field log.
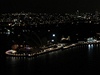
(90, 48)
(76, 59)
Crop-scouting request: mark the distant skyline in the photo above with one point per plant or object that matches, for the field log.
(49, 5)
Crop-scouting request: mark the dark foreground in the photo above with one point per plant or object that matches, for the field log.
(77, 60)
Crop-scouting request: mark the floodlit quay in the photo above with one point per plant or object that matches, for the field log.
(47, 50)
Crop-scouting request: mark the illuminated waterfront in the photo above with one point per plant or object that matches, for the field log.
(80, 59)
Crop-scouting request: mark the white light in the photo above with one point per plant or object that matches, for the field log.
(10, 51)
(53, 35)
(48, 30)
(18, 35)
(8, 30)
(52, 40)
(90, 46)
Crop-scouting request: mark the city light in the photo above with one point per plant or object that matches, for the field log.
(52, 40)
(53, 35)
(21, 26)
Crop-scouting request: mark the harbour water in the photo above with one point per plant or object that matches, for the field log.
(77, 60)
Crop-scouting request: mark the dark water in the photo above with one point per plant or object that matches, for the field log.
(77, 60)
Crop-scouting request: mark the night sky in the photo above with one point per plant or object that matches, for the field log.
(49, 5)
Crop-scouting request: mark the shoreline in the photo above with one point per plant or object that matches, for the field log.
(47, 50)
